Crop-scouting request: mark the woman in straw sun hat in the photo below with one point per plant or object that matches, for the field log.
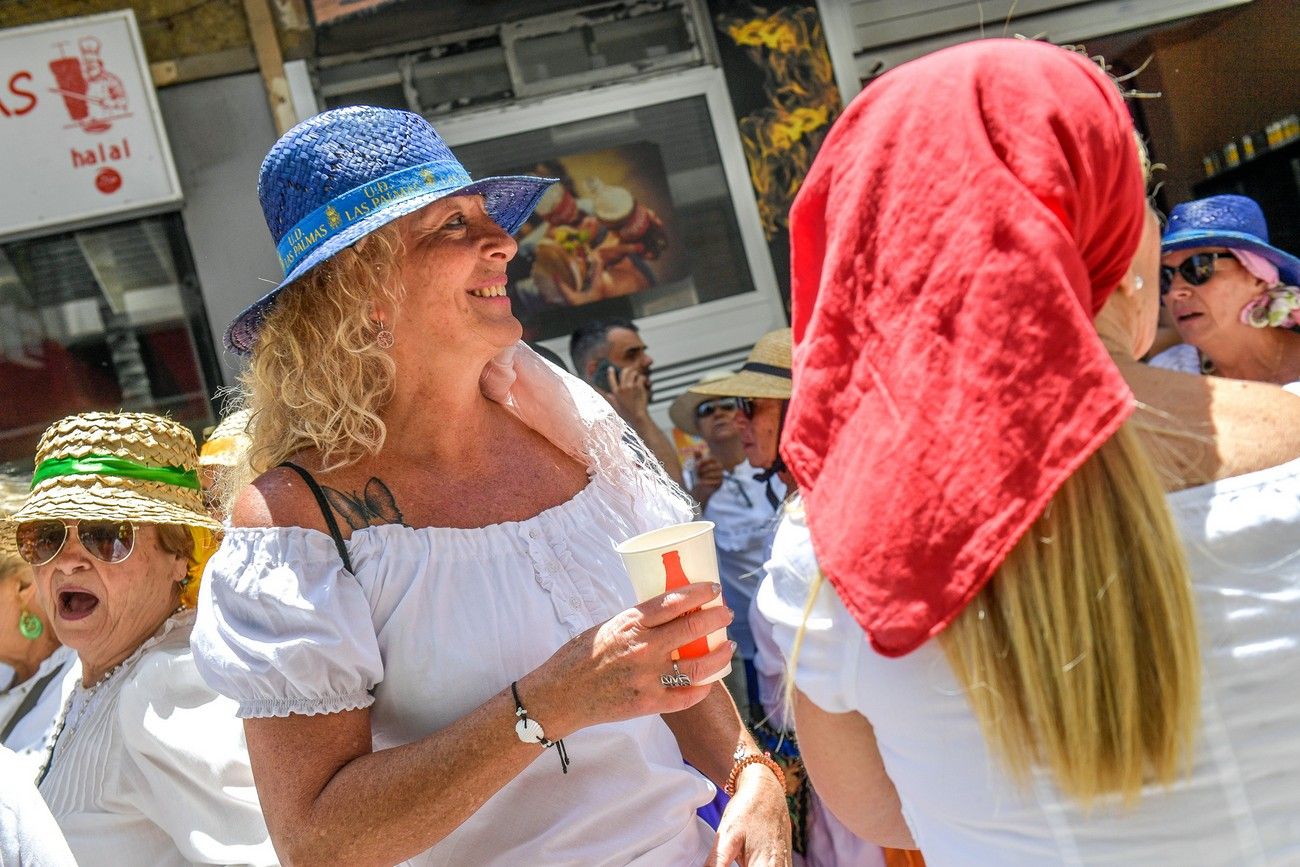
(43, 670)
(148, 765)
(419, 608)
(1040, 598)
(764, 382)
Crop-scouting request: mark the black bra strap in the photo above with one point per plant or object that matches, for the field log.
(29, 701)
(326, 511)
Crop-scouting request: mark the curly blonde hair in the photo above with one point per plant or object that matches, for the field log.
(316, 379)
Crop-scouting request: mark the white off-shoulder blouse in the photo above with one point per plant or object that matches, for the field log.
(150, 766)
(435, 622)
(1240, 805)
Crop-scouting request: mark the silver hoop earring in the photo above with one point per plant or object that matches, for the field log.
(1138, 282)
(384, 339)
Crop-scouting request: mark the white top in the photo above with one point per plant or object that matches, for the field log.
(745, 521)
(1241, 805)
(433, 624)
(29, 836)
(1181, 357)
(1185, 359)
(151, 766)
(55, 676)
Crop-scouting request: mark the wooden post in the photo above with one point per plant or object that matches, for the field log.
(266, 45)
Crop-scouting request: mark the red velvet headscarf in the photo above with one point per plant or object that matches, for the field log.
(964, 221)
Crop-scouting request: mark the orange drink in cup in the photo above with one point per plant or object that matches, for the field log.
(672, 557)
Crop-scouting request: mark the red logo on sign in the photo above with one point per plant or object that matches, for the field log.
(108, 180)
(93, 96)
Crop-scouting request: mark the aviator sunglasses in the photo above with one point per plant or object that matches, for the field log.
(1196, 270)
(729, 404)
(39, 542)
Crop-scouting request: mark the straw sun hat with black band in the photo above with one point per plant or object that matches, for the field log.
(765, 373)
(117, 467)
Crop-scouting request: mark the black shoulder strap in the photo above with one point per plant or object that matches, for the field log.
(326, 511)
(29, 701)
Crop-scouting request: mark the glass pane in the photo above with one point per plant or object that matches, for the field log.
(101, 319)
(642, 222)
(596, 46)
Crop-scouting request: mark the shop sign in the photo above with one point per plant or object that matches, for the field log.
(81, 138)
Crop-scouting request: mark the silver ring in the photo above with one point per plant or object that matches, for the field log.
(676, 678)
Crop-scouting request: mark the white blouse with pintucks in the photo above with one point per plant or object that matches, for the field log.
(150, 766)
(436, 621)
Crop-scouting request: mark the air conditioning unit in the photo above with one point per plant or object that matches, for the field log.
(575, 50)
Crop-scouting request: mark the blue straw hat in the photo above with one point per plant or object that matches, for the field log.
(337, 177)
(1227, 221)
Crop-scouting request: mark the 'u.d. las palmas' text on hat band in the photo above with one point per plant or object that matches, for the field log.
(107, 465)
(340, 212)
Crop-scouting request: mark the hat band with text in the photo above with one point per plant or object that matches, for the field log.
(340, 212)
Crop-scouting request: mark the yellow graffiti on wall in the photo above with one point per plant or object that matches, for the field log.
(781, 138)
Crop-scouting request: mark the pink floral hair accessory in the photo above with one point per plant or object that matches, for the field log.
(1278, 307)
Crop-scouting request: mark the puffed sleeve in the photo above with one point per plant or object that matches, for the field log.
(185, 763)
(283, 628)
(832, 643)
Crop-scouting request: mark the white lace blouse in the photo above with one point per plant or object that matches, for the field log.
(435, 622)
(150, 766)
(1241, 803)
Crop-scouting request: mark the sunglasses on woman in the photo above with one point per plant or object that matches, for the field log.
(729, 404)
(1196, 270)
(39, 542)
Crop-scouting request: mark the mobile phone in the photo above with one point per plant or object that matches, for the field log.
(600, 377)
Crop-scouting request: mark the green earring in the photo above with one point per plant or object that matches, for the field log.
(30, 626)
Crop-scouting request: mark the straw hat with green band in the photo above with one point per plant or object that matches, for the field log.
(765, 373)
(117, 467)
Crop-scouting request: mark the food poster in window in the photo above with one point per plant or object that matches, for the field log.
(607, 230)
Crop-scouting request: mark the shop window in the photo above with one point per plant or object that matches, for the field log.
(643, 222)
(108, 318)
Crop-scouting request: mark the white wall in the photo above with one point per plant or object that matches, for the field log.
(220, 130)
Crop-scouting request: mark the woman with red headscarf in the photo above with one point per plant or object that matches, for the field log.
(1040, 600)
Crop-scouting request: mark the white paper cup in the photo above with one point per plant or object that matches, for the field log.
(667, 558)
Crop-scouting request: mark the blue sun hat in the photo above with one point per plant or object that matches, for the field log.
(337, 177)
(1227, 221)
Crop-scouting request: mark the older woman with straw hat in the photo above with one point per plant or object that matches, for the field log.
(764, 381)
(437, 652)
(43, 670)
(148, 765)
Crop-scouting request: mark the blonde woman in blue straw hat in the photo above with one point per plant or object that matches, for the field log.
(148, 765)
(437, 652)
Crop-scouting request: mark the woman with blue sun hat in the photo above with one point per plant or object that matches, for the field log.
(1233, 296)
(418, 608)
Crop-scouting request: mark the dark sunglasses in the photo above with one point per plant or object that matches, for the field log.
(729, 404)
(1196, 270)
(39, 542)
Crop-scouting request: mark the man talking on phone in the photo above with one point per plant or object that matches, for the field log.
(611, 355)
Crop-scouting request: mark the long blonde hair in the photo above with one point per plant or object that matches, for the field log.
(1081, 653)
(317, 379)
